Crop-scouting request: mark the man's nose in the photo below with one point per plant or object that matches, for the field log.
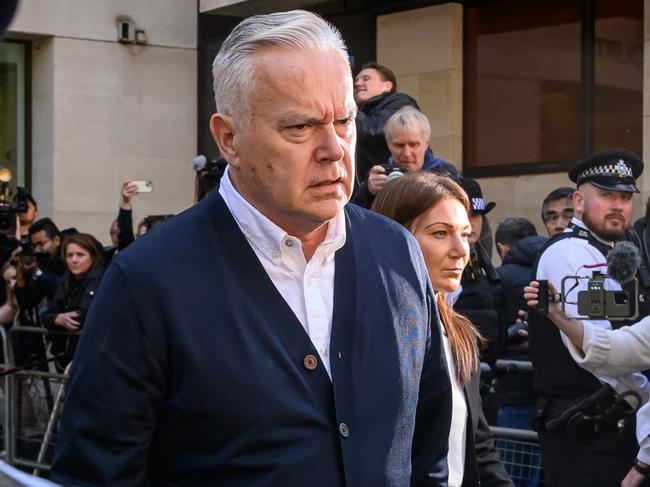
(330, 148)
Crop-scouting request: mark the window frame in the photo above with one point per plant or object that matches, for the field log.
(587, 100)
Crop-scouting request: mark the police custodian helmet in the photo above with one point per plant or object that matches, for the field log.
(615, 169)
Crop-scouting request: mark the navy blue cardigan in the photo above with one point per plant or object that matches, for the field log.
(191, 368)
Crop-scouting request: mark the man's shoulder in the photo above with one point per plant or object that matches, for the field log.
(363, 221)
(385, 241)
(169, 243)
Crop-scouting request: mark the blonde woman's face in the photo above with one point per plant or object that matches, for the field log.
(443, 234)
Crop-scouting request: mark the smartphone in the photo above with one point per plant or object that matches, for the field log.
(144, 186)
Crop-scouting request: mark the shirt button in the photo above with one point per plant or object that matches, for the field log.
(289, 243)
(344, 430)
(310, 362)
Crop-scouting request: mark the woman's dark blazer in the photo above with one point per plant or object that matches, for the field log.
(483, 466)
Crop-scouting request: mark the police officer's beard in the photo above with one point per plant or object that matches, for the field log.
(599, 229)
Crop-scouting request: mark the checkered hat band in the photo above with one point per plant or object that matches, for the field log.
(478, 204)
(619, 170)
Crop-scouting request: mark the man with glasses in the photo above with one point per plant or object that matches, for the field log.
(557, 210)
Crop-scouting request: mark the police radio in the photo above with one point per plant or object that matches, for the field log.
(596, 302)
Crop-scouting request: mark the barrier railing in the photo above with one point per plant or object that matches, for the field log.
(34, 399)
(519, 448)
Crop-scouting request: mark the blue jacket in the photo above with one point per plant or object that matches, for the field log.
(193, 370)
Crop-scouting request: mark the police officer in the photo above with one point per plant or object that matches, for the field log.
(479, 290)
(592, 445)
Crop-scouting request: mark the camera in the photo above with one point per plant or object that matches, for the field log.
(596, 302)
(393, 171)
(9, 209)
(27, 255)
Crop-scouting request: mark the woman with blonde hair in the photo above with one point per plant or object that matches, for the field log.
(435, 210)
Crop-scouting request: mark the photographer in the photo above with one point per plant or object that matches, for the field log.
(84, 259)
(601, 451)
(407, 135)
(26, 218)
(39, 267)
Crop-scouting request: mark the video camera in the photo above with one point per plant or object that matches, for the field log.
(597, 302)
(9, 208)
(208, 173)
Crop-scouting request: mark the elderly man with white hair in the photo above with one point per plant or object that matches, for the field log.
(407, 134)
(270, 335)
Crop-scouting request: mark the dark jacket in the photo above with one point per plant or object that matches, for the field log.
(431, 163)
(193, 370)
(370, 121)
(515, 273)
(42, 284)
(479, 299)
(73, 294)
(125, 235)
(483, 465)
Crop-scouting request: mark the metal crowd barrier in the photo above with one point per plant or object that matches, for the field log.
(32, 403)
(519, 448)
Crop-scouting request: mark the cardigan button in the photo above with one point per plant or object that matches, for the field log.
(344, 431)
(310, 362)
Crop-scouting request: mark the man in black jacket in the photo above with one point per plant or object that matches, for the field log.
(375, 91)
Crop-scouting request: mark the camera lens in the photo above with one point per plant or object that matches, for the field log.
(620, 297)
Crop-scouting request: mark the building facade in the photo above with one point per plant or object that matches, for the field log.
(516, 91)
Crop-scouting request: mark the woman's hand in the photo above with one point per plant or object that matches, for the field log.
(531, 295)
(67, 320)
(572, 328)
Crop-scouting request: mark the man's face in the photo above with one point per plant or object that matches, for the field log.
(369, 83)
(294, 161)
(605, 212)
(42, 243)
(557, 215)
(28, 217)
(408, 148)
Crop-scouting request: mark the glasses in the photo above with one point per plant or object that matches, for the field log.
(554, 217)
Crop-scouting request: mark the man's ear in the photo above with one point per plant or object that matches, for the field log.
(387, 87)
(57, 241)
(224, 134)
(578, 201)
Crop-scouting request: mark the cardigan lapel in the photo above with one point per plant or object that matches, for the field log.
(257, 283)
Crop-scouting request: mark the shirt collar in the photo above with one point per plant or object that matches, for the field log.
(268, 237)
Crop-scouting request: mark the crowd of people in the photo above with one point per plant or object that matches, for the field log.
(303, 339)
(51, 276)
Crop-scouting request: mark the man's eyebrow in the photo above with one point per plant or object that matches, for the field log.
(298, 119)
(301, 119)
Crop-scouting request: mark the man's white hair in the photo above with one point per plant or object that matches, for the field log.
(407, 119)
(233, 69)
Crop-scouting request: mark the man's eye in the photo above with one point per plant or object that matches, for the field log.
(302, 126)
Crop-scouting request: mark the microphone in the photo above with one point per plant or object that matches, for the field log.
(199, 162)
(623, 261)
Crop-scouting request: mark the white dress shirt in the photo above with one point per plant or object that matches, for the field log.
(458, 430)
(307, 287)
(568, 258)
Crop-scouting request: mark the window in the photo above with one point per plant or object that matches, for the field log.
(12, 111)
(547, 83)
